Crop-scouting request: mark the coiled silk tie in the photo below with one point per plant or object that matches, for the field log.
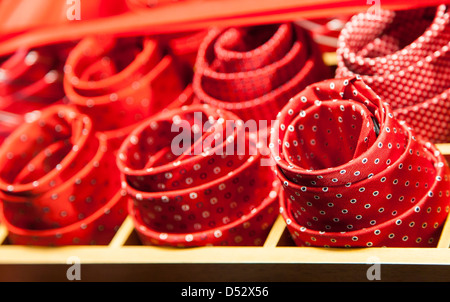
(120, 82)
(210, 192)
(253, 71)
(353, 175)
(59, 183)
(405, 57)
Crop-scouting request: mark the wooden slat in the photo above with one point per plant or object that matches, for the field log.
(151, 254)
(122, 234)
(3, 234)
(444, 148)
(275, 233)
(444, 240)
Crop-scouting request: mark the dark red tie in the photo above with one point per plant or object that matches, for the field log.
(30, 80)
(405, 57)
(209, 193)
(353, 175)
(253, 71)
(59, 183)
(119, 82)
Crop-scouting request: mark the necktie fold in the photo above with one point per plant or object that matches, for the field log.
(30, 80)
(404, 56)
(253, 71)
(353, 175)
(203, 185)
(119, 82)
(59, 183)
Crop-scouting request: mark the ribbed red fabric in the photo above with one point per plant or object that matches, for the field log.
(404, 56)
(355, 176)
(253, 71)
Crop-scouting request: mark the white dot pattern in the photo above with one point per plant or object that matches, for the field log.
(404, 56)
(196, 198)
(356, 179)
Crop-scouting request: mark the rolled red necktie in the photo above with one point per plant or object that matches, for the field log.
(404, 56)
(59, 183)
(355, 176)
(212, 191)
(119, 82)
(253, 71)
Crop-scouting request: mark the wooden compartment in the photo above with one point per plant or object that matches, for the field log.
(126, 259)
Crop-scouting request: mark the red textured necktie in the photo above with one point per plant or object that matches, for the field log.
(210, 192)
(59, 183)
(29, 80)
(120, 82)
(405, 57)
(353, 175)
(253, 71)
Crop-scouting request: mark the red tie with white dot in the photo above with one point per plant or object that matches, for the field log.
(353, 175)
(211, 191)
(405, 57)
(59, 183)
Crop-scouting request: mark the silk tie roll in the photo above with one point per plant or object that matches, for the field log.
(212, 192)
(353, 175)
(59, 183)
(325, 31)
(120, 82)
(404, 56)
(253, 71)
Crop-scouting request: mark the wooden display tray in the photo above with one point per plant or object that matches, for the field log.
(126, 259)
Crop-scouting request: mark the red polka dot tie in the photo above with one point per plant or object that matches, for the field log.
(253, 71)
(353, 175)
(29, 80)
(59, 183)
(209, 192)
(404, 56)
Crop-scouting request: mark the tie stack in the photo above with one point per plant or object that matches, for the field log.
(405, 57)
(353, 175)
(215, 194)
(60, 178)
(171, 129)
